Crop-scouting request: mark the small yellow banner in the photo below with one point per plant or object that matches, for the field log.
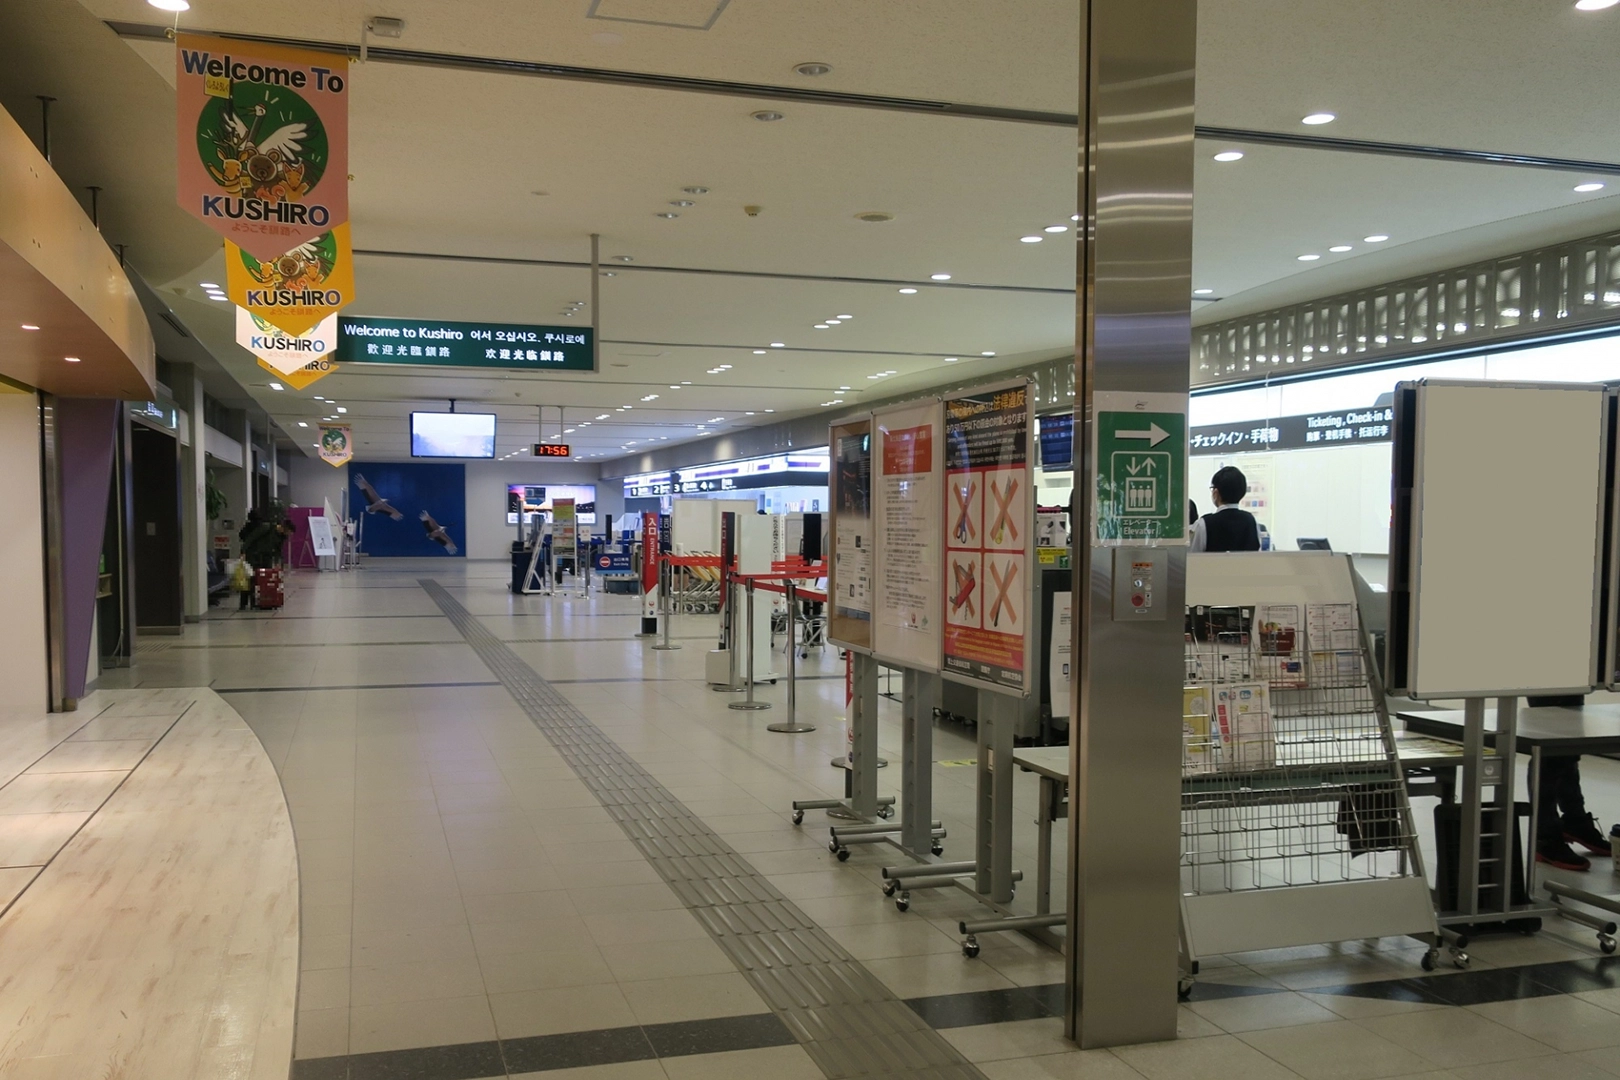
(309, 373)
(217, 86)
(298, 288)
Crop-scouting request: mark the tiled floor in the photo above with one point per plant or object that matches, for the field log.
(471, 908)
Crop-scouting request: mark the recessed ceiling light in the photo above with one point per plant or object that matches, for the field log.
(696, 189)
(1316, 119)
(1229, 155)
(604, 416)
(951, 359)
(71, 359)
(759, 352)
(217, 296)
(209, 285)
(624, 258)
(1594, 5)
(1031, 239)
(686, 382)
(987, 354)
(1308, 258)
(1339, 248)
(1056, 228)
(907, 292)
(778, 345)
(1074, 217)
(584, 423)
(821, 326)
(843, 388)
(302, 424)
(1203, 292)
(682, 202)
(170, 5)
(610, 273)
(1590, 185)
(766, 115)
(667, 215)
(937, 277)
(1375, 238)
(341, 409)
(812, 68)
(874, 217)
(29, 326)
(275, 385)
(674, 386)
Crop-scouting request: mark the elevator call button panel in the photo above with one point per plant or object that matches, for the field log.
(1139, 584)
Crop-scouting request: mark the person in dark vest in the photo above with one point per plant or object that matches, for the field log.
(1228, 527)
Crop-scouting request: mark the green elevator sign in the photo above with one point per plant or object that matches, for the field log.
(1141, 476)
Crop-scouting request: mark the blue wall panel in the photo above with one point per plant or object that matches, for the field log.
(410, 487)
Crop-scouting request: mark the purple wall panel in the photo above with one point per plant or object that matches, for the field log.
(87, 430)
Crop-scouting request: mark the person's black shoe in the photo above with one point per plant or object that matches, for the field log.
(1561, 855)
(1585, 832)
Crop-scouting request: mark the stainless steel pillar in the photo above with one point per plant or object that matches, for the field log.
(1133, 335)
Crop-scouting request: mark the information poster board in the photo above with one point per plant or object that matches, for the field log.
(564, 526)
(907, 622)
(849, 578)
(989, 537)
(320, 536)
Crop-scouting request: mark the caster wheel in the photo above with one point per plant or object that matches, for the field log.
(902, 904)
(1431, 960)
(843, 854)
(890, 888)
(1184, 986)
(1460, 959)
(886, 812)
(970, 948)
(798, 817)
(938, 848)
(832, 845)
(1606, 943)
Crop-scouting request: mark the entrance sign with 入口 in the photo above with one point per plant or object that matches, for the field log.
(989, 520)
(907, 616)
(1140, 453)
(369, 340)
(263, 141)
(850, 566)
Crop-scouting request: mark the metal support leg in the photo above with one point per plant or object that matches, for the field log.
(791, 726)
(1473, 789)
(920, 704)
(748, 704)
(993, 836)
(863, 766)
(666, 580)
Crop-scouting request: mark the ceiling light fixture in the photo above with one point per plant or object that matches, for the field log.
(71, 359)
(1031, 239)
(1229, 155)
(939, 277)
(667, 215)
(1339, 248)
(674, 386)
(1203, 292)
(1307, 258)
(29, 326)
(170, 5)
(846, 316)
(209, 285)
(987, 354)
(604, 416)
(302, 424)
(821, 326)
(874, 217)
(1375, 238)
(778, 345)
(1317, 119)
(682, 202)
(1056, 228)
(218, 296)
(696, 189)
(767, 116)
(275, 385)
(907, 292)
(812, 68)
(341, 409)
(1590, 185)
(1580, 5)
(951, 359)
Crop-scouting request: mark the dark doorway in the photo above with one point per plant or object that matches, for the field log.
(155, 500)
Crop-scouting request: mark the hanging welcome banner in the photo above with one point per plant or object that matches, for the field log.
(309, 373)
(297, 289)
(282, 351)
(337, 445)
(263, 141)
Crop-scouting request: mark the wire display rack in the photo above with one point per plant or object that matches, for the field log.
(1296, 827)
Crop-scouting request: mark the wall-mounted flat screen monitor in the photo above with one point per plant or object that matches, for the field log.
(452, 435)
(1057, 442)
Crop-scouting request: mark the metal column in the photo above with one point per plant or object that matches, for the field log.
(1133, 335)
(992, 852)
(920, 696)
(863, 747)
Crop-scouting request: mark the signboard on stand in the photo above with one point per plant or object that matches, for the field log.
(849, 577)
(989, 538)
(564, 526)
(1140, 447)
(907, 619)
(320, 535)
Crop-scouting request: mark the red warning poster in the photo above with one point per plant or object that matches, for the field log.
(988, 536)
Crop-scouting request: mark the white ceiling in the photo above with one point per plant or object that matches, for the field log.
(446, 161)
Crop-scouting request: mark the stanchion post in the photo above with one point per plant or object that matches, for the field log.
(792, 725)
(666, 580)
(748, 704)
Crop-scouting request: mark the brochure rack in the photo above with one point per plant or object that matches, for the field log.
(1295, 823)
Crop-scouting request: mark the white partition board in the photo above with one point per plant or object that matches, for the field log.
(1506, 534)
(1269, 577)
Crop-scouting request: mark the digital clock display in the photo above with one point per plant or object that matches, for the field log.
(553, 450)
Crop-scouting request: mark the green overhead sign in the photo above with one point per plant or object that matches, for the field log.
(434, 342)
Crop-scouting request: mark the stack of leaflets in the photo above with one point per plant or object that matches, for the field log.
(1200, 750)
(1243, 720)
(1222, 644)
(1282, 647)
(1334, 640)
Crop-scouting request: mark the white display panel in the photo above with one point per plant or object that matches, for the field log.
(1505, 534)
(452, 435)
(907, 621)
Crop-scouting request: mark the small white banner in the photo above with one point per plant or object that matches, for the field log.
(285, 352)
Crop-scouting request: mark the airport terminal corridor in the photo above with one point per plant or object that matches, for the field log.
(471, 906)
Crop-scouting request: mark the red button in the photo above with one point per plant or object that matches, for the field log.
(1136, 600)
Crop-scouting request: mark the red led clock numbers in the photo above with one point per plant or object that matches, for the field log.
(552, 449)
